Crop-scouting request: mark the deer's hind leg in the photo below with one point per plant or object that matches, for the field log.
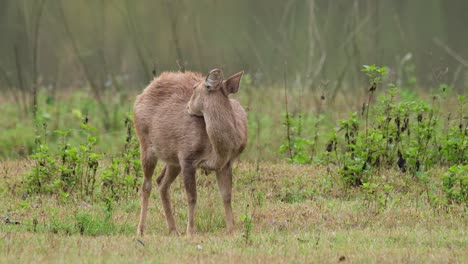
(188, 173)
(148, 162)
(167, 177)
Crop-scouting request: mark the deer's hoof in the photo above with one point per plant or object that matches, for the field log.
(174, 232)
(140, 231)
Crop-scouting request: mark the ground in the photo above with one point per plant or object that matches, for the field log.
(283, 212)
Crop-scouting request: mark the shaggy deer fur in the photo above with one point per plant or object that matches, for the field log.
(189, 122)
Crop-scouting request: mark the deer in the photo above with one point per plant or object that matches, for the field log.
(189, 122)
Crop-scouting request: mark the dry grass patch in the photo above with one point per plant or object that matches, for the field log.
(299, 213)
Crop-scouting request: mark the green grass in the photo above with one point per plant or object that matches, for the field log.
(323, 222)
(284, 212)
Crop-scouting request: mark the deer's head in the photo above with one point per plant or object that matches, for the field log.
(214, 90)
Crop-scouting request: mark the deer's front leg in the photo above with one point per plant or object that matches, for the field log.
(224, 179)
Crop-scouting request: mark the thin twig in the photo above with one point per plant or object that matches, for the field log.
(175, 38)
(451, 52)
(37, 24)
(19, 73)
(372, 89)
(288, 127)
(353, 33)
(132, 27)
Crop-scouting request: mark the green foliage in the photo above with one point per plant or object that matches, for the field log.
(455, 184)
(247, 226)
(399, 130)
(71, 169)
(376, 74)
(80, 218)
(407, 134)
(40, 179)
(78, 170)
(295, 190)
(297, 147)
(89, 225)
(122, 177)
(376, 195)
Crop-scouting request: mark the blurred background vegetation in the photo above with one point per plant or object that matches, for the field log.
(70, 43)
(67, 60)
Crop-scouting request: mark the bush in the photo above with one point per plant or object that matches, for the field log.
(77, 170)
(455, 184)
(396, 131)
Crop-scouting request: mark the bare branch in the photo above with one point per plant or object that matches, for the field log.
(451, 52)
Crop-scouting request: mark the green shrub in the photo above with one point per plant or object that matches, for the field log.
(78, 170)
(455, 184)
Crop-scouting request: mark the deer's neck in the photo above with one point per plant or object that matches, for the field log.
(223, 133)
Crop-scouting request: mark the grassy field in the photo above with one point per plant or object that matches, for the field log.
(284, 213)
(335, 178)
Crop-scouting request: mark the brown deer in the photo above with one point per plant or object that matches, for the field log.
(189, 122)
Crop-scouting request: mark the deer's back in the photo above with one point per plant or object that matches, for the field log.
(163, 125)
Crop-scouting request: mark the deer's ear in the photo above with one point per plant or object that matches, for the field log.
(233, 82)
(213, 79)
